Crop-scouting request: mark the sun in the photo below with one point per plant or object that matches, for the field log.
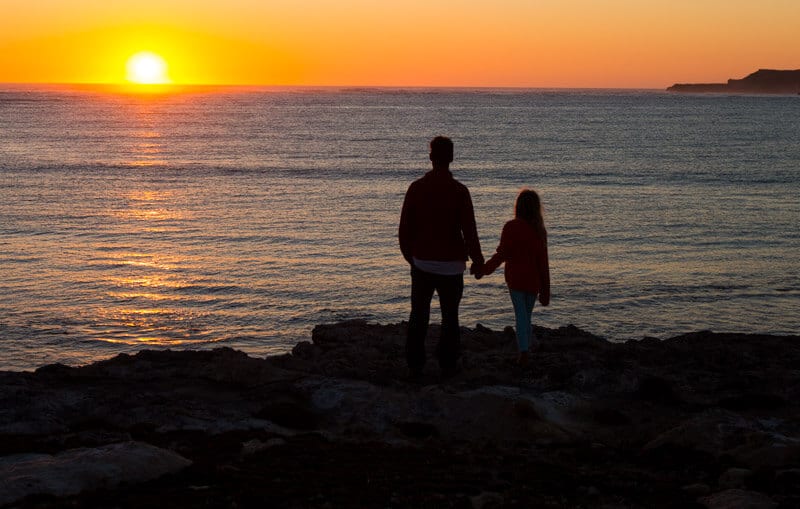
(147, 68)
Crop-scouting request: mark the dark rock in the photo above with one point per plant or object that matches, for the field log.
(600, 423)
(304, 350)
(526, 410)
(734, 478)
(657, 390)
(54, 370)
(697, 489)
(787, 481)
(738, 499)
(76, 470)
(482, 329)
(418, 430)
(609, 417)
(753, 401)
(289, 413)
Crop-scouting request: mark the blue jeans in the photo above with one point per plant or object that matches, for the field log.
(523, 308)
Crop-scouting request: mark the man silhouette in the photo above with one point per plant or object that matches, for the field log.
(437, 234)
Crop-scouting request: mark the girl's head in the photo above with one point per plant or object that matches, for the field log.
(529, 208)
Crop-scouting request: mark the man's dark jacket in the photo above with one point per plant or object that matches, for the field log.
(438, 221)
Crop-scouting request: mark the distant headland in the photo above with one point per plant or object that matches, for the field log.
(763, 81)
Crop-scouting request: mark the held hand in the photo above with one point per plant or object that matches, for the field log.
(476, 270)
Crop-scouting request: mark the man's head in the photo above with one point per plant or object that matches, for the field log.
(441, 151)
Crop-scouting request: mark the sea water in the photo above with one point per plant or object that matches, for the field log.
(242, 217)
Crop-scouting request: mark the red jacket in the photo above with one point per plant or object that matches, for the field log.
(438, 222)
(524, 251)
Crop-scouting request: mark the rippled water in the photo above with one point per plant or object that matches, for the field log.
(243, 217)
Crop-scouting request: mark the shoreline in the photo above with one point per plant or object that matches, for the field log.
(207, 347)
(700, 420)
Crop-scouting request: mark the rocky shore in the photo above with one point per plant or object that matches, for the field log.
(701, 420)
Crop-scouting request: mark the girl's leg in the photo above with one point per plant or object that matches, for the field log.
(530, 300)
(523, 307)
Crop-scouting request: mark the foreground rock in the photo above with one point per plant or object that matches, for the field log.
(701, 420)
(76, 470)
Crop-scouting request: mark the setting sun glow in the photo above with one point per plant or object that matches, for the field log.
(146, 68)
(467, 43)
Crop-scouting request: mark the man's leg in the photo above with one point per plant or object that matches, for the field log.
(422, 288)
(450, 290)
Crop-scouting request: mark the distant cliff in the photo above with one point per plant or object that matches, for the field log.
(763, 81)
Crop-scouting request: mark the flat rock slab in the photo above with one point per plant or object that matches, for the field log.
(738, 499)
(73, 471)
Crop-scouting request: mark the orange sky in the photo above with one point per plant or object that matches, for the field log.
(502, 43)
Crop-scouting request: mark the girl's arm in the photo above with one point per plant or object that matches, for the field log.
(544, 274)
(501, 254)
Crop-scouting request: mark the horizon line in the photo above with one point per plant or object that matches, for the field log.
(350, 86)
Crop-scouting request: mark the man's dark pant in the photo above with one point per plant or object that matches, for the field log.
(450, 289)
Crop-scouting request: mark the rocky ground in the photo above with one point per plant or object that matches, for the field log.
(701, 420)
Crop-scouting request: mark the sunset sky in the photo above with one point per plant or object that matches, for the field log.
(498, 43)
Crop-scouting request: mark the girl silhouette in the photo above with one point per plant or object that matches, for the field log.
(523, 248)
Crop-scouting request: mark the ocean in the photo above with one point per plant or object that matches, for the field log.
(242, 217)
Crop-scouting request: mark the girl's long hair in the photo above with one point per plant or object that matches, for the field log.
(529, 208)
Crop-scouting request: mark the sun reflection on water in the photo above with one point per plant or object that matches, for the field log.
(155, 208)
(141, 295)
(149, 324)
(147, 148)
(147, 282)
(147, 298)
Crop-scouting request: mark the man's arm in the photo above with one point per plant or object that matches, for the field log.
(470, 230)
(405, 232)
